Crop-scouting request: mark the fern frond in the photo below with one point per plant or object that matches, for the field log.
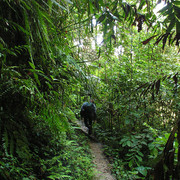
(29, 37)
(5, 140)
(58, 4)
(11, 145)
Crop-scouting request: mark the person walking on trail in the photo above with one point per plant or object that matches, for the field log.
(88, 113)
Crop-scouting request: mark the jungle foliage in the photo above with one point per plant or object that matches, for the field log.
(55, 54)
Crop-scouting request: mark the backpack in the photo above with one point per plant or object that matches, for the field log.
(88, 108)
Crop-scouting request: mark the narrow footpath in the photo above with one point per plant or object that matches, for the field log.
(102, 166)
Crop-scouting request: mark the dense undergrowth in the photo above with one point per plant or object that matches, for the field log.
(133, 155)
(40, 142)
(38, 136)
(139, 133)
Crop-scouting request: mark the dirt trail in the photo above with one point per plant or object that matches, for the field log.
(102, 164)
(102, 169)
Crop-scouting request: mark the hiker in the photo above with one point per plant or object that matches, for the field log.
(88, 112)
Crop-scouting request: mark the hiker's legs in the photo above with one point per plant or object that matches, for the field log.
(90, 126)
(86, 121)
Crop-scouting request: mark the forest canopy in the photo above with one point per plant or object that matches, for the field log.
(54, 55)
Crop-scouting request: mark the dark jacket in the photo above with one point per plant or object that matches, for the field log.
(88, 110)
